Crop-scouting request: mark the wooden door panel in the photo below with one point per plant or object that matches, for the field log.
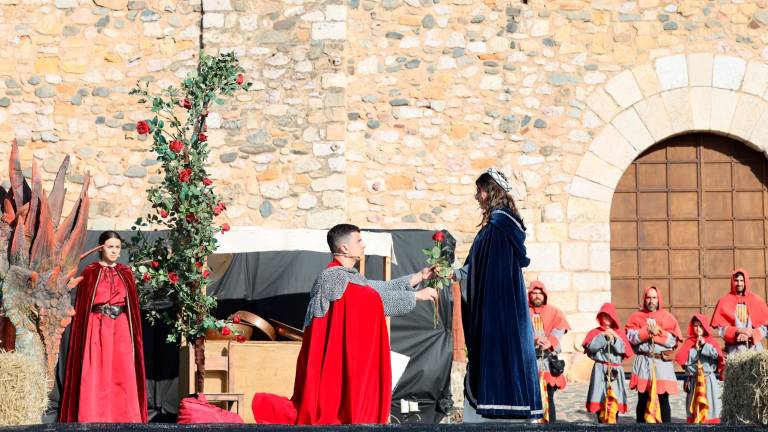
(683, 176)
(757, 285)
(718, 262)
(751, 259)
(683, 149)
(748, 233)
(718, 233)
(748, 176)
(624, 293)
(624, 205)
(715, 288)
(652, 176)
(748, 204)
(683, 205)
(684, 263)
(624, 234)
(685, 292)
(624, 263)
(713, 152)
(717, 205)
(653, 234)
(652, 205)
(628, 181)
(654, 263)
(716, 175)
(684, 233)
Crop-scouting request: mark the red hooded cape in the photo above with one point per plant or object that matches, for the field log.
(68, 407)
(665, 320)
(726, 309)
(552, 318)
(682, 355)
(609, 310)
(343, 372)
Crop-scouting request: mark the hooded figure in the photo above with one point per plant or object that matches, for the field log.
(653, 333)
(703, 361)
(608, 346)
(741, 316)
(549, 326)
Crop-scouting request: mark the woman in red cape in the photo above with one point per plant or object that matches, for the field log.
(104, 379)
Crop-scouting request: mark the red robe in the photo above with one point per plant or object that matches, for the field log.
(682, 354)
(343, 373)
(552, 318)
(105, 379)
(724, 315)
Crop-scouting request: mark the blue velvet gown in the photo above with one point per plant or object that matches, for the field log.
(502, 376)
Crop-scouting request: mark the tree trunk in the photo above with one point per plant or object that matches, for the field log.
(199, 345)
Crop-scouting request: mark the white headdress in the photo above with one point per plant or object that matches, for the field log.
(500, 179)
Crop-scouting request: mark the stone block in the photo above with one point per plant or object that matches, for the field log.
(584, 188)
(646, 79)
(700, 69)
(728, 72)
(543, 256)
(655, 117)
(592, 281)
(624, 89)
(336, 13)
(332, 182)
(326, 218)
(759, 136)
(600, 257)
(112, 4)
(672, 71)
(555, 281)
(582, 322)
(329, 31)
(600, 232)
(721, 115)
(629, 124)
(603, 105)
(575, 256)
(552, 212)
(592, 301)
(551, 232)
(217, 5)
(213, 20)
(599, 171)
(701, 107)
(587, 210)
(613, 148)
(755, 78)
(678, 105)
(274, 189)
(749, 108)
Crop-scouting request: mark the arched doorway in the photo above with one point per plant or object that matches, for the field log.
(685, 213)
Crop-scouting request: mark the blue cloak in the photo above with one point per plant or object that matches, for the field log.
(502, 376)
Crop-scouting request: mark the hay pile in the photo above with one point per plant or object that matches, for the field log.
(23, 390)
(745, 393)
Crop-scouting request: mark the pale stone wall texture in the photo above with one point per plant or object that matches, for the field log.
(383, 113)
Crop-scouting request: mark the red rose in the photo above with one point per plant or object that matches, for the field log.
(239, 79)
(147, 277)
(225, 331)
(236, 319)
(225, 227)
(207, 181)
(190, 217)
(240, 338)
(176, 146)
(155, 264)
(198, 264)
(185, 174)
(220, 207)
(201, 137)
(163, 213)
(438, 236)
(186, 103)
(142, 127)
(173, 278)
(206, 273)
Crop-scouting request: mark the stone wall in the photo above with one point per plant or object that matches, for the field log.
(384, 112)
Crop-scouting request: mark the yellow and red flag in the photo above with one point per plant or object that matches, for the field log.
(699, 405)
(653, 407)
(544, 399)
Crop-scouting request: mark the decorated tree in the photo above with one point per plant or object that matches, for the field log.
(40, 254)
(173, 268)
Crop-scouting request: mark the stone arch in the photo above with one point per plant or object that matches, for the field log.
(699, 92)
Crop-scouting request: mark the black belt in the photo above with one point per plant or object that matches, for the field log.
(112, 311)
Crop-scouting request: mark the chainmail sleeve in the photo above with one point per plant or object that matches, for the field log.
(329, 286)
(396, 295)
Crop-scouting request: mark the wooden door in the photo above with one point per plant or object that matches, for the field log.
(685, 214)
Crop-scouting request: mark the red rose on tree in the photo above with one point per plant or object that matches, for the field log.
(201, 137)
(173, 278)
(240, 338)
(198, 264)
(225, 331)
(186, 103)
(206, 273)
(239, 79)
(146, 277)
(438, 236)
(220, 207)
(155, 264)
(163, 213)
(142, 127)
(236, 319)
(225, 227)
(207, 181)
(191, 217)
(176, 146)
(185, 174)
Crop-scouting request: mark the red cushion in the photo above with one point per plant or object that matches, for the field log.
(198, 410)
